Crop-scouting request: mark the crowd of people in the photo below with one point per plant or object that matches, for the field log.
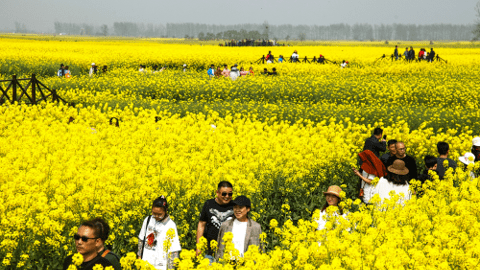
(221, 214)
(409, 55)
(250, 42)
(395, 168)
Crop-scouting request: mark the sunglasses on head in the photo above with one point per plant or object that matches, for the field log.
(224, 194)
(84, 238)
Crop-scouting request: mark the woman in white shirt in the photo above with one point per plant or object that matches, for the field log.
(246, 232)
(332, 196)
(153, 234)
(396, 180)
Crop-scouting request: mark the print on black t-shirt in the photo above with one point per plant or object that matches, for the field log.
(219, 217)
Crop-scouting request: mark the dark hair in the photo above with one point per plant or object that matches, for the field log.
(377, 131)
(397, 179)
(390, 142)
(224, 184)
(160, 202)
(442, 148)
(100, 227)
(430, 161)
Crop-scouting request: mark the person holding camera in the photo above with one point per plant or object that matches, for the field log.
(376, 143)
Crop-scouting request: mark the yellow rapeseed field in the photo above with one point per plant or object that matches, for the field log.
(280, 140)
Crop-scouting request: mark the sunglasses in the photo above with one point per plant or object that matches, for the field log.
(84, 238)
(224, 194)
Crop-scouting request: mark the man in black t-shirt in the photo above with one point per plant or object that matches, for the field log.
(87, 241)
(410, 162)
(214, 213)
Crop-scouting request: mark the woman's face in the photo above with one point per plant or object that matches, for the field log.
(241, 212)
(332, 200)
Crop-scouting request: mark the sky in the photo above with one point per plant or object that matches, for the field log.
(39, 15)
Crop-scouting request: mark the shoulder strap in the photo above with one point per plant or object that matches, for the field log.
(105, 253)
(145, 236)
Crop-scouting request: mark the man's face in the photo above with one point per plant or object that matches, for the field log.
(159, 213)
(224, 195)
(400, 150)
(392, 149)
(86, 247)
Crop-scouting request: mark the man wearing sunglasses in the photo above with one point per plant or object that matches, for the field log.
(87, 242)
(214, 213)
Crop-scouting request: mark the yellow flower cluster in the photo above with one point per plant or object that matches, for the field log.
(281, 141)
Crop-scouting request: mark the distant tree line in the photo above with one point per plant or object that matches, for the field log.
(339, 31)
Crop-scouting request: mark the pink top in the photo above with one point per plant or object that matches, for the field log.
(244, 73)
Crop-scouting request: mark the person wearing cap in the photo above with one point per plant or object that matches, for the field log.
(400, 153)
(93, 70)
(443, 150)
(153, 234)
(396, 180)
(211, 71)
(234, 73)
(214, 213)
(476, 148)
(467, 159)
(332, 197)
(246, 232)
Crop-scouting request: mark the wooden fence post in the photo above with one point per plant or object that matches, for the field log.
(14, 88)
(33, 82)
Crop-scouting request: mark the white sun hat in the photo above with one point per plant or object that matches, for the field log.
(467, 158)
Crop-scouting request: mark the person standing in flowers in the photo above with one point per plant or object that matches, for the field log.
(157, 231)
(396, 180)
(467, 159)
(246, 232)
(93, 70)
(376, 143)
(332, 196)
(211, 71)
(395, 52)
(106, 253)
(400, 153)
(430, 165)
(391, 152)
(225, 72)
(443, 150)
(476, 148)
(61, 71)
(87, 241)
(214, 213)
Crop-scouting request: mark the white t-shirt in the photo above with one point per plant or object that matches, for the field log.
(239, 231)
(322, 220)
(384, 187)
(156, 230)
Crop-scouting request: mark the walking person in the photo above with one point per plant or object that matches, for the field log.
(214, 213)
(246, 232)
(87, 241)
(155, 230)
(395, 52)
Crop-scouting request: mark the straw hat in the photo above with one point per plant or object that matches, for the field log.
(467, 158)
(398, 167)
(333, 190)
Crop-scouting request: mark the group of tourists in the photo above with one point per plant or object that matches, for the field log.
(233, 73)
(222, 214)
(395, 168)
(250, 42)
(410, 54)
(64, 71)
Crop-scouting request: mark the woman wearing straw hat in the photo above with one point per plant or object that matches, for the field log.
(396, 180)
(332, 196)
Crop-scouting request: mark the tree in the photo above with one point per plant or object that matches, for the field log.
(476, 32)
(201, 36)
(302, 36)
(104, 30)
(266, 30)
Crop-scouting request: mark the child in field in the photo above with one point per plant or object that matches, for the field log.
(332, 196)
(67, 72)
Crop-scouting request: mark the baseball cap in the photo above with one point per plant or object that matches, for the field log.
(242, 201)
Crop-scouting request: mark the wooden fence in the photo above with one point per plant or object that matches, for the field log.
(33, 93)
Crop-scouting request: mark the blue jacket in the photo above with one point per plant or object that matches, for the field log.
(211, 71)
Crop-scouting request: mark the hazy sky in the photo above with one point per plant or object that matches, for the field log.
(39, 15)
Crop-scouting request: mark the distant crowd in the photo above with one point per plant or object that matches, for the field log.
(409, 55)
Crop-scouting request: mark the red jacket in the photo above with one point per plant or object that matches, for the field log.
(372, 164)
